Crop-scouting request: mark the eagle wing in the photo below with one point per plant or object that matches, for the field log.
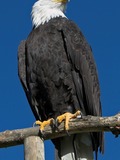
(84, 72)
(80, 56)
(23, 78)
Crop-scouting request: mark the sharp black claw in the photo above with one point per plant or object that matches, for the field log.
(34, 124)
(67, 133)
(56, 124)
(115, 131)
(53, 124)
(80, 116)
(42, 134)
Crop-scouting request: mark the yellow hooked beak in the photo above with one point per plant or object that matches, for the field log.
(61, 1)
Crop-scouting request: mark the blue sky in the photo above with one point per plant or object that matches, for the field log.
(100, 23)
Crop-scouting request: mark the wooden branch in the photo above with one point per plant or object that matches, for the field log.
(86, 124)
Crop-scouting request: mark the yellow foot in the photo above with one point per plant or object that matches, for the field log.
(66, 117)
(44, 123)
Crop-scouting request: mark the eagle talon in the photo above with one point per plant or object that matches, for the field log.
(66, 117)
(115, 130)
(53, 124)
(42, 133)
(67, 133)
(43, 124)
(79, 116)
(34, 124)
(56, 123)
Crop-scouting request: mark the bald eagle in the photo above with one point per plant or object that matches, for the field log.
(58, 73)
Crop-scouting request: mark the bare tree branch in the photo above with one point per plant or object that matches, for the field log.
(34, 148)
(85, 124)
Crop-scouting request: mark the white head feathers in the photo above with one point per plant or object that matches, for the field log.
(44, 10)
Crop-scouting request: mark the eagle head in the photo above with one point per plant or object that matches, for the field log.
(44, 10)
